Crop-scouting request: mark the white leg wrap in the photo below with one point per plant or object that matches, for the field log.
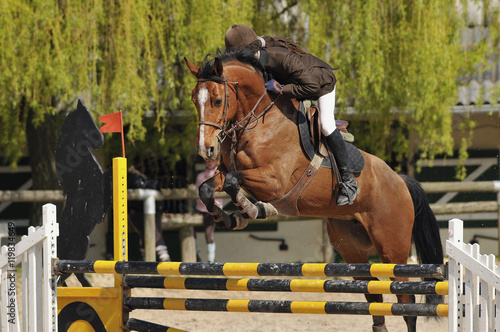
(211, 252)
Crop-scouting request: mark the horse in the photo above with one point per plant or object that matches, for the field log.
(255, 132)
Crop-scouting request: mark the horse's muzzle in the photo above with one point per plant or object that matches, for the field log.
(209, 153)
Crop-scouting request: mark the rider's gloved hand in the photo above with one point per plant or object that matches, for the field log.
(274, 86)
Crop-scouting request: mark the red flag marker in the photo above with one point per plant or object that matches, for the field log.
(113, 123)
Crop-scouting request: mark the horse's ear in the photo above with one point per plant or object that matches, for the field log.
(218, 67)
(194, 69)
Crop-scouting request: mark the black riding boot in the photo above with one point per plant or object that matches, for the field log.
(349, 187)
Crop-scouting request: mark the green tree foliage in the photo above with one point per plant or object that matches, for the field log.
(398, 59)
(114, 54)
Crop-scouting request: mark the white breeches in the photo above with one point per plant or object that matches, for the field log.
(326, 104)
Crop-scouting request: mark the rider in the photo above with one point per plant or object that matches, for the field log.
(303, 76)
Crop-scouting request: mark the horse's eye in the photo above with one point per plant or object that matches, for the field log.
(218, 102)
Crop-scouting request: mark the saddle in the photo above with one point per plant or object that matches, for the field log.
(312, 144)
(308, 122)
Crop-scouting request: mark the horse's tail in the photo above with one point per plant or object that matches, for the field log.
(425, 230)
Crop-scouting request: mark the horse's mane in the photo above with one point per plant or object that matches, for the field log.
(243, 55)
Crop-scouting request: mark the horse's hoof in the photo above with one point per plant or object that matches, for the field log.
(237, 221)
(227, 221)
(223, 222)
(220, 224)
(379, 328)
(241, 224)
(266, 210)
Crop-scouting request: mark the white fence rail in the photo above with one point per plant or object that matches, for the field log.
(474, 285)
(37, 284)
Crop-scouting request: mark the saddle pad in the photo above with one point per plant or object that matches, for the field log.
(356, 159)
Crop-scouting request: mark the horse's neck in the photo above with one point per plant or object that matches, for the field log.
(274, 145)
(278, 123)
(287, 110)
(284, 110)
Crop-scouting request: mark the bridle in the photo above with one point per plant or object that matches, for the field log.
(224, 124)
(226, 128)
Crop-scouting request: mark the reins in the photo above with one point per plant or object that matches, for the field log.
(251, 117)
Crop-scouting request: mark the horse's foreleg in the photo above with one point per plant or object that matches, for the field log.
(206, 192)
(232, 187)
(247, 209)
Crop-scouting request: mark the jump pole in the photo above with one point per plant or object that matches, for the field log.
(291, 307)
(378, 270)
(290, 285)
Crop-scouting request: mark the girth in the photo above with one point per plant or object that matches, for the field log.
(287, 205)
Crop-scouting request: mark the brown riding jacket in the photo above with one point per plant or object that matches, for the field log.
(301, 77)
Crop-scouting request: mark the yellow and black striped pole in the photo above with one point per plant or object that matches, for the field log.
(292, 307)
(290, 285)
(256, 269)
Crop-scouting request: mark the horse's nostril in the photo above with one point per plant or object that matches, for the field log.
(210, 152)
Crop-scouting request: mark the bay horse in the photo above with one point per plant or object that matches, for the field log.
(256, 134)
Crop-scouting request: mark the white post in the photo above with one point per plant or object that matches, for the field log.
(49, 276)
(485, 300)
(491, 294)
(474, 323)
(150, 225)
(470, 281)
(39, 281)
(4, 295)
(25, 287)
(497, 302)
(188, 243)
(32, 286)
(496, 187)
(149, 202)
(455, 311)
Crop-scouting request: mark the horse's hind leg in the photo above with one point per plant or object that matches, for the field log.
(352, 242)
(392, 241)
(411, 321)
(396, 252)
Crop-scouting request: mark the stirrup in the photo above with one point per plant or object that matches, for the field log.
(338, 190)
